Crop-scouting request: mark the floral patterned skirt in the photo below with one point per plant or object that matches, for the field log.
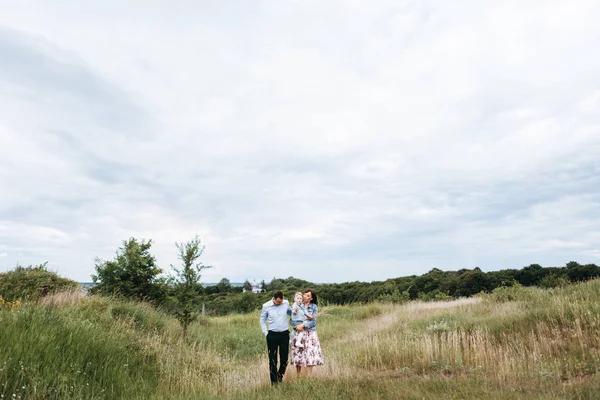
(311, 353)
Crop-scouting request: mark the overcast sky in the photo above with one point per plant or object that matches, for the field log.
(328, 140)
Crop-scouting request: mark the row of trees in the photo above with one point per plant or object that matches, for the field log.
(438, 284)
(434, 285)
(134, 274)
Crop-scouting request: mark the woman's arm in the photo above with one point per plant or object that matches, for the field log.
(312, 322)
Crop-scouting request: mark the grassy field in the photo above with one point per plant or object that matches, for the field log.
(517, 343)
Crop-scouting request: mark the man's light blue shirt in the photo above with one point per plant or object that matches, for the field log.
(276, 316)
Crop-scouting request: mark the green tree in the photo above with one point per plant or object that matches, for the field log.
(577, 272)
(426, 283)
(187, 287)
(531, 275)
(224, 286)
(247, 286)
(133, 273)
(472, 281)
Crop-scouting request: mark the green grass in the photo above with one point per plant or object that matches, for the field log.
(49, 354)
(516, 343)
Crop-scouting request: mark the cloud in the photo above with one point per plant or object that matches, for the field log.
(326, 141)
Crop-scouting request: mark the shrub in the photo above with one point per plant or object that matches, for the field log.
(516, 292)
(552, 281)
(32, 282)
(434, 295)
(394, 297)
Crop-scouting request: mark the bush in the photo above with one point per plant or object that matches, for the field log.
(228, 303)
(31, 283)
(516, 292)
(394, 297)
(552, 281)
(434, 295)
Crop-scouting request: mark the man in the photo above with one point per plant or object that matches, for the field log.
(276, 314)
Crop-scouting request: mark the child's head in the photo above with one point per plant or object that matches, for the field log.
(298, 298)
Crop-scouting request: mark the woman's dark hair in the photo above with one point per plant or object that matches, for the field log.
(278, 294)
(314, 296)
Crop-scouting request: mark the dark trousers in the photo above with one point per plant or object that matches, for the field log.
(278, 342)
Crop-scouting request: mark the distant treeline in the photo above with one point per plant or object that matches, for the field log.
(434, 285)
(134, 274)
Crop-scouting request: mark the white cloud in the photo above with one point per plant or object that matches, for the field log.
(333, 141)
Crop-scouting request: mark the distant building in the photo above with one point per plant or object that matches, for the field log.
(255, 288)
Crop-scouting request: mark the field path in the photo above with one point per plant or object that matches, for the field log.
(372, 326)
(400, 313)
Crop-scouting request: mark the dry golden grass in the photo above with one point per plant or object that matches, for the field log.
(65, 298)
(549, 339)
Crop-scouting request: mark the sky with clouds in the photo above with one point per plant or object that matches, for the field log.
(328, 140)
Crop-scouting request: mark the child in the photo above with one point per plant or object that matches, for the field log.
(298, 316)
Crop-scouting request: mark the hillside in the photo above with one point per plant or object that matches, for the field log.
(517, 343)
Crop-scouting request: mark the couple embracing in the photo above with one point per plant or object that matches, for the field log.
(275, 319)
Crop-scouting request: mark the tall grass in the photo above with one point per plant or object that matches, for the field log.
(538, 335)
(515, 343)
(49, 355)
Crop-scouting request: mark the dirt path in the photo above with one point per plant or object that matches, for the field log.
(400, 313)
(368, 328)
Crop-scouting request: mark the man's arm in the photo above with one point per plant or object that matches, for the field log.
(263, 320)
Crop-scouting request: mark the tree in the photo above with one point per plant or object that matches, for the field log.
(133, 273)
(531, 275)
(472, 282)
(426, 283)
(247, 286)
(187, 287)
(224, 286)
(577, 272)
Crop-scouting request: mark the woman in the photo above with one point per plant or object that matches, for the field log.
(307, 352)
